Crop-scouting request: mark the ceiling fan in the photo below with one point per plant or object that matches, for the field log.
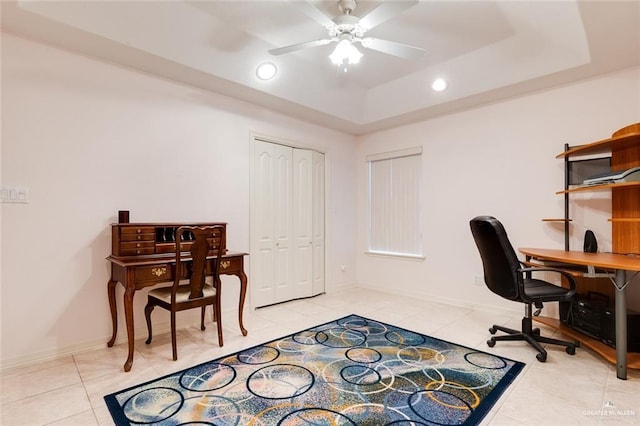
(347, 30)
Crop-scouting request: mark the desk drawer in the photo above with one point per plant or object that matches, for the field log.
(136, 251)
(157, 273)
(231, 265)
(132, 248)
(138, 237)
(127, 230)
(186, 246)
(131, 245)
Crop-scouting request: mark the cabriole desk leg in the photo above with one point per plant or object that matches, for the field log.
(243, 293)
(621, 324)
(111, 291)
(128, 315)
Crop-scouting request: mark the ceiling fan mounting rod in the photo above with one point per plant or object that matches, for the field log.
(347, 6)
(346, 24)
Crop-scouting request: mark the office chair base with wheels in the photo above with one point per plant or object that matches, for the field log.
(532, 336)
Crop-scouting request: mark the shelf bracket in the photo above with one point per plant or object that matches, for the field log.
(591, 273)
(625, 284)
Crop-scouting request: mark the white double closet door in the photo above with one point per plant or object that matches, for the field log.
(287, 236)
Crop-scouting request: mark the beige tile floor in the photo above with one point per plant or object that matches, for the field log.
(566, 390)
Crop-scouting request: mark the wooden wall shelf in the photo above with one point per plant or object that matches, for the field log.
(598, 187)
(624, 138)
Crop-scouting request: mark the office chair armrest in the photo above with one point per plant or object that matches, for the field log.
(567, 275)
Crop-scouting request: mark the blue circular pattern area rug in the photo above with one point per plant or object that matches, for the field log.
(351, 371)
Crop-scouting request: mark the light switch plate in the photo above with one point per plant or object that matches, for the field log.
(14, 194)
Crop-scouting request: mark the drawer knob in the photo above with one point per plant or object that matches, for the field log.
(225, 264)
(139, 231)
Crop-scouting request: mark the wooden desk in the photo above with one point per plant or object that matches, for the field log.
(618, 262)
(137, 272)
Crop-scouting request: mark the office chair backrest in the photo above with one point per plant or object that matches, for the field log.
(499, 260)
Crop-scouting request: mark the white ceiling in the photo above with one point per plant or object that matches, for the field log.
(487, 50)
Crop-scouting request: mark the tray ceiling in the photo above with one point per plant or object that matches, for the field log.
(486, 50)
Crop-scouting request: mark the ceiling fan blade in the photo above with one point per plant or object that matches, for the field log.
(392, 48)
(300, 46)
(384, 12)
(314, 13)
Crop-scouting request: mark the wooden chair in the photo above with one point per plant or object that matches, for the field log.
(198, 252)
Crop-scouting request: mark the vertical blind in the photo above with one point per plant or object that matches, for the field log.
(395, 202)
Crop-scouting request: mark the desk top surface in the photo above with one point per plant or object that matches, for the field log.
(603, 260)
(157, 259)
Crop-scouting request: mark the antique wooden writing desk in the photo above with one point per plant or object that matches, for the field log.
(143, 255)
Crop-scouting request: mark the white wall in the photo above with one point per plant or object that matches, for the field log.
(498, 160)
(89, 138)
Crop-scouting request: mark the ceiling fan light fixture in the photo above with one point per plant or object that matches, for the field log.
(266, 71)
(345, 53)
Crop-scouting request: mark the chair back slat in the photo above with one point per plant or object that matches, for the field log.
(194, 244)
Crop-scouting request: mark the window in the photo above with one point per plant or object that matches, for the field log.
(395, 203)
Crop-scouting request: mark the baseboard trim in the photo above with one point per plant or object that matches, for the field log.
(448, 301)
(189, 319)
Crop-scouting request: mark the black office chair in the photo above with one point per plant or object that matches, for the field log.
(506, 276)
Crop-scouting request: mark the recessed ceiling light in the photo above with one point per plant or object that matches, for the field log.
(266, 71)
(439, 84)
